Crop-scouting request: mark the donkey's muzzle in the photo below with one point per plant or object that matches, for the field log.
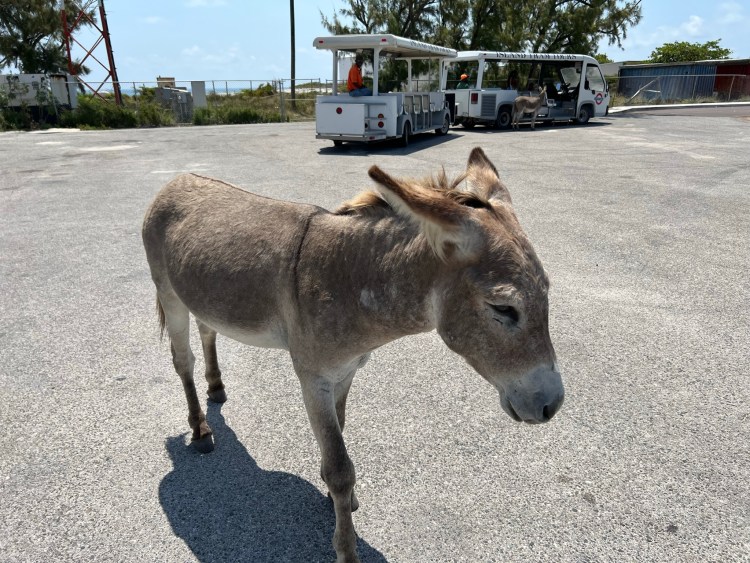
(534, 398)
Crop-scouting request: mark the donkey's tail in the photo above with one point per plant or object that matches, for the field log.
(162, 319)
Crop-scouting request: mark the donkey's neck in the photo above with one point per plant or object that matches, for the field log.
(381, 271)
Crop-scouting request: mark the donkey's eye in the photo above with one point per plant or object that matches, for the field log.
(506, 312)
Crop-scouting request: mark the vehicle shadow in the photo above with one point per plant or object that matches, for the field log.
(226, 508)
(526, 126)
(417, 142)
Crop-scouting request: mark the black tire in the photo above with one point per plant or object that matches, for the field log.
(469, 124)
(504, 118)
(584, 114)
(406, 134)
(338, 143)
(444, 129)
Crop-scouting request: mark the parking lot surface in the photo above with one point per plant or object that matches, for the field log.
(642, 223)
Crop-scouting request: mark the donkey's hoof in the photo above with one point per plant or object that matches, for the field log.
(218, 396)
(205, 444)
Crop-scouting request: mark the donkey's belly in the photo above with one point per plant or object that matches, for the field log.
(266, 337)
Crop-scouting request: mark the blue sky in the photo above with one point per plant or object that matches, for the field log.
(250, 40)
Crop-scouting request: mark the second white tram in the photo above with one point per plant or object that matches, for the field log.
(575, 87)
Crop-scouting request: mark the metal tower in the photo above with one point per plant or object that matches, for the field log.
(84, 13)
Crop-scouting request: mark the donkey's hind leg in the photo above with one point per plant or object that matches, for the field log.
(177, 320)
(216, 392)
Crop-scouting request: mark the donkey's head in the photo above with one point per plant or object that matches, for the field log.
(490, 301)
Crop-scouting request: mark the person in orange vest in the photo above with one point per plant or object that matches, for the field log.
(354, 84)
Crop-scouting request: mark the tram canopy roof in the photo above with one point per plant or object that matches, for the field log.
(392, 45)
(511, 56)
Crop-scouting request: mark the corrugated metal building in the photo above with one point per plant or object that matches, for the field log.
(724, 79)
(733, 79)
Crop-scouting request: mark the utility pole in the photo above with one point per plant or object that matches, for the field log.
(291, 19)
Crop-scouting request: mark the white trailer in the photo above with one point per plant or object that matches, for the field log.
(575, 87)
(387, 115)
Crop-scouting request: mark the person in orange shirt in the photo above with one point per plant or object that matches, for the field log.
(354, 83)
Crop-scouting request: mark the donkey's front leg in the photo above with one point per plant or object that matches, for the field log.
(337, 469)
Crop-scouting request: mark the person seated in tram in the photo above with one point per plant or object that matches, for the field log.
(513, 80)
(463, 83)
(354, 84)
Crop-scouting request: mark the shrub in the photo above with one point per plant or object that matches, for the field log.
(236, 116)
(96, 113)
(15, 118)
(202, 116)
(233, 115)
(151, 114)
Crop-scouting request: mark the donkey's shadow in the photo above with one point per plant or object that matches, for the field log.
(226, 508)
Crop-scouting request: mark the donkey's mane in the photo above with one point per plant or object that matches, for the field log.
(371, 204)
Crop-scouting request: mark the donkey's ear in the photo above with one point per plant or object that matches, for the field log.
(444, 222)
(484, 178)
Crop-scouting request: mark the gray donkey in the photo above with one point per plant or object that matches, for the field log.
(415, 256)
(528, 104)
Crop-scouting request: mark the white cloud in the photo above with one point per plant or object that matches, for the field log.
(192, 51)
(689, 29)
(692, 27)
(153, 20)
(727, 20)
(730, 13)
(216, 58)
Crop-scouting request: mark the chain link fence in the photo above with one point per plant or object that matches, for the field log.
(167, 101)
(228, 101)
(231, 101)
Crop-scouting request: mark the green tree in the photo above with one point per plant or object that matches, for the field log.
(415, 19)
(31, 36)
(408, 18)
(573, 26)
(682, 51)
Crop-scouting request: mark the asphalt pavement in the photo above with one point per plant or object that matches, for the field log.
(643, 224)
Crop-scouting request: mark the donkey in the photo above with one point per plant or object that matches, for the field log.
(414, 256)
(528, 104)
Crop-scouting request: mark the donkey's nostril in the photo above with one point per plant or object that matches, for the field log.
(549, 410)
(546, 414)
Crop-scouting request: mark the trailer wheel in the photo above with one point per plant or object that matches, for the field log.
(338, 143)
(503, 118)
(406, 134)
(444, 129)
(469, 124)
(584, 114)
